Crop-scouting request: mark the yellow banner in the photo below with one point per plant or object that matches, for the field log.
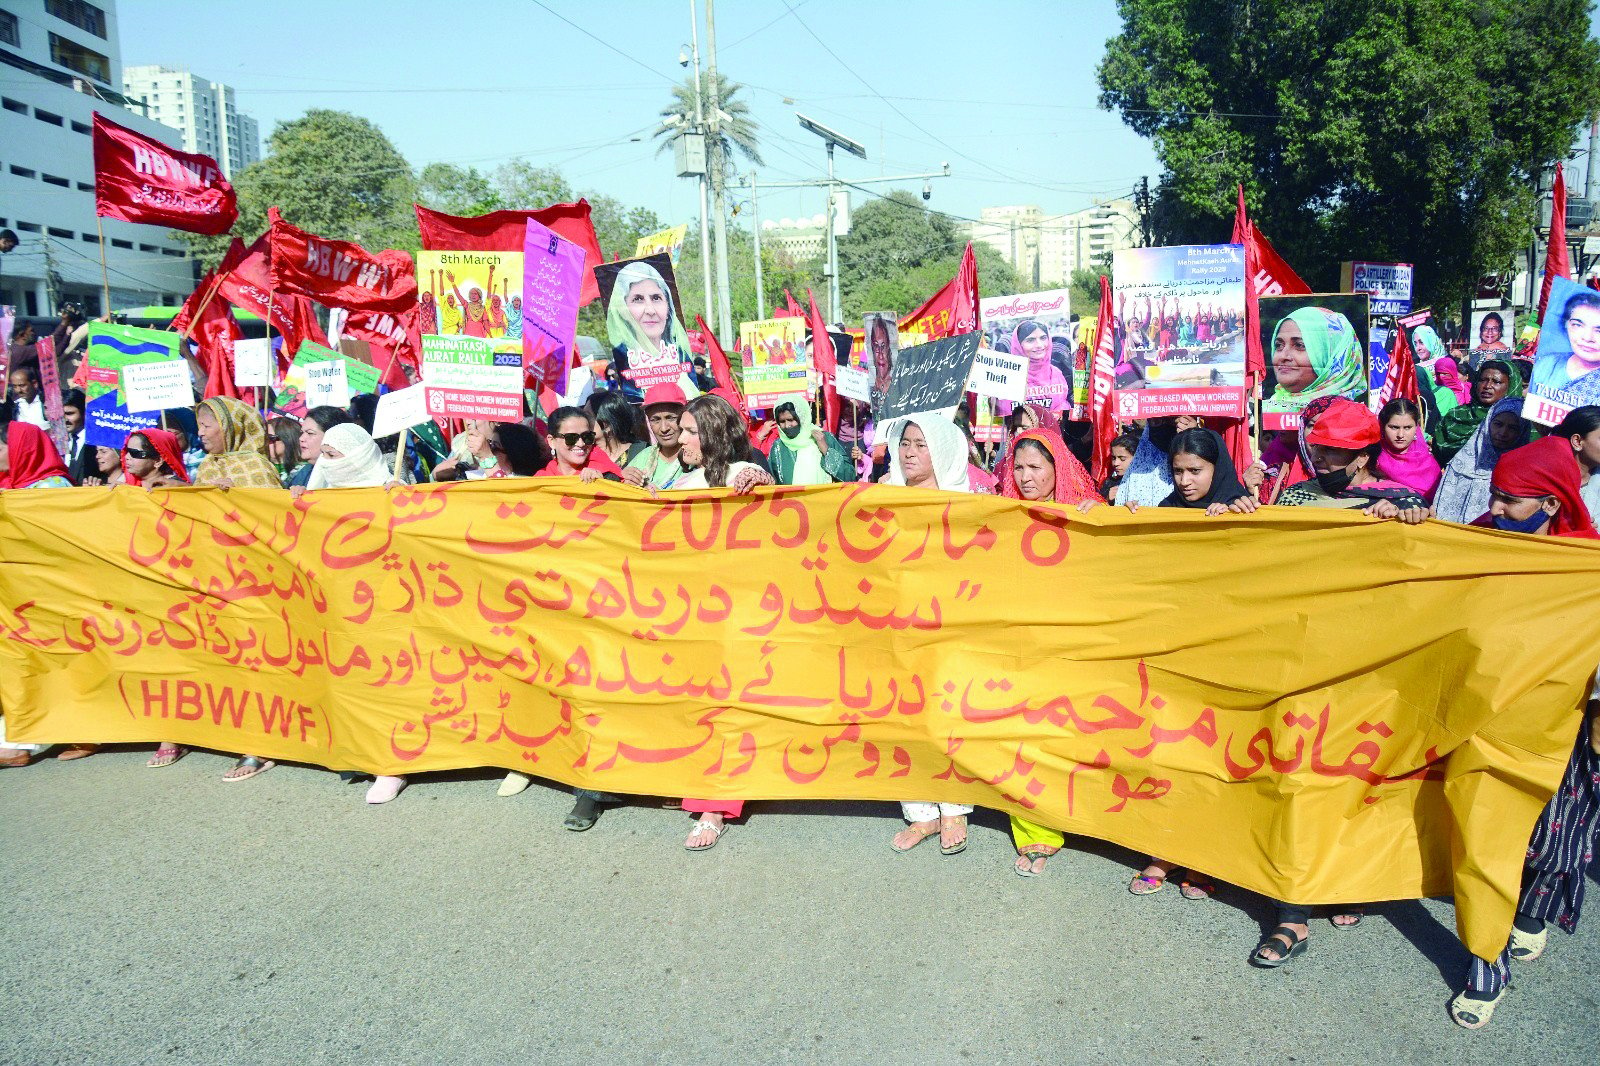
(1309, 704)
(669, 240)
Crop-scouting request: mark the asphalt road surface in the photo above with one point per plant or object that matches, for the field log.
(163, 916)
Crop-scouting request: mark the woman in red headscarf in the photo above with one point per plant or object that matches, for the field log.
(1039, 468)
(1535, 490)
(152, 458)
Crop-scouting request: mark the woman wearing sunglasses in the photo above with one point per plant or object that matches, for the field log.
(152, 458)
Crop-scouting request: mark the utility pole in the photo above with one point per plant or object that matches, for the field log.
(52, 279)
(755, 230)
(700, 128)
(718, 160)
(1588, 173)
(1141, 200)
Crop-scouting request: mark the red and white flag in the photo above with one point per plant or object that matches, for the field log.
(339, 273)
(1102, 381)
(137, 179)
(1557, 260)
(827, 364)
(247, 284)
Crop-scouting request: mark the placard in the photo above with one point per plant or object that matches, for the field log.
(467, 378)
(253, 362)
(776, 360)
(1316, 345)
(880, 347)
(157, 386)
(669, 240)
(642, 319)
(469, 294)
(359, 378)
(853, 383)
(552, 279)
(1036, 327)
(401, 409)
(110, 348)
(1389, 284)
(1002, 375)
(1566, 365)
(327, 385)
(930, 377)
(1179, 324)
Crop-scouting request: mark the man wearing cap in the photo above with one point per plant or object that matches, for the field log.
(1343, 443)
(660, 465)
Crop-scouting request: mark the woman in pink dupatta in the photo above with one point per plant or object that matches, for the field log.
(1406, 457)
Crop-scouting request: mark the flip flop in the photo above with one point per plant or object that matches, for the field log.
(252, 766)
(959, 846)
(922, 833)
(77, 751)
(716, 834)
(1282, 940)
(1356, 914)
(1147, 886)
(1023, 867)
(167, 756)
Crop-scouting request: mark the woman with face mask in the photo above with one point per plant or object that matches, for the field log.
(1464, 489)
(1535, 491)
(1343, 446)
(806, 454)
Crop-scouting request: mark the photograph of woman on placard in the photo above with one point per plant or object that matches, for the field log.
(1566, 367)
(642, 320)
(883, 348)
(1314, 347)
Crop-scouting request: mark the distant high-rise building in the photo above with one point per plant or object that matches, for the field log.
(202, 110)
(63, 64)
(1046, 249)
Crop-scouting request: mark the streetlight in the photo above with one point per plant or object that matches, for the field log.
(831, 138)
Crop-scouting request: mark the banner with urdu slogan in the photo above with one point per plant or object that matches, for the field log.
(109, 350)
(1387, 727)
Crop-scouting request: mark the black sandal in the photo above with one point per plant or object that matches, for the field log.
(1283, 941)
(585, 813)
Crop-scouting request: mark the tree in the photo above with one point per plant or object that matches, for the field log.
(737, 131)
(1413, 131)
(329, 172)
(1085, 287)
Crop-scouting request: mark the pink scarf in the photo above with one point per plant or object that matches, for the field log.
(1448, 374)
(1415, 468)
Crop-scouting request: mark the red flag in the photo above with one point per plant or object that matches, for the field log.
(249, 286)
(137, 179)
(822, 357)
(953, 309)
(504, 231)
(339, 273)
(1102, 381)
(1557, 262)
(1268, 275)
(721, 370)
(389, 336)
(790, 309)
(1401, 380)
(214, 333)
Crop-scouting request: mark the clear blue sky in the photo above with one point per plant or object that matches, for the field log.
(1004, 92)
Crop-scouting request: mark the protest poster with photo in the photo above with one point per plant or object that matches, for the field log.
(930, 377)
(1036, 326)
(294, 393)
(1489, 337)
(110, 349)
(643, 321)
(471, 294)
(776, 360)
(1179, 331)
(669, 240)
(466, 377)
(1389, 284)
(1315, 345)
(547, 311)
(1566, 365)
(880, 347)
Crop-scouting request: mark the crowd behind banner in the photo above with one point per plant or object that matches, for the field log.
(482, 325)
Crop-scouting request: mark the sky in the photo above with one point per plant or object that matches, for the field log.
(1004, 92)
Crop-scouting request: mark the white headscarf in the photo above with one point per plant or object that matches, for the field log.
(362, 466)
(947, 450)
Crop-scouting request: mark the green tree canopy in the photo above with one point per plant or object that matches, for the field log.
(1412, 131)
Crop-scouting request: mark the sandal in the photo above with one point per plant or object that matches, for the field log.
(167, 754)
(1282, 940)
(716, 829)
(585, 813)
(1147, 886)
(1470, 1012)
(78, 751)
(1525, 947)
(247, 767)
(1197, 886)
(952, 824)
(1025, 863)
(912, 835)
(1355, 913)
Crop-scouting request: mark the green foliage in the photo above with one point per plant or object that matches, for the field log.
(738, 137)
(1085, 287)
(1411, 131)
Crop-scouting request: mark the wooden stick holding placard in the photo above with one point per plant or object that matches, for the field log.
(400, 453)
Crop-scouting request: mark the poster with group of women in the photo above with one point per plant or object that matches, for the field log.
(1315, 346)
(777, 363)
(472, 294)
(1179, 316)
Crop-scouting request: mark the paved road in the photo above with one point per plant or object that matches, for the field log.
(162, 916)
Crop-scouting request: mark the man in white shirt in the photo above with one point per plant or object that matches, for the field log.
(28, 403)
(72, 413)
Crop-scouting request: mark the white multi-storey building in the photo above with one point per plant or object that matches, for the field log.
(202, 110)
(61, 66)
(1046, 249)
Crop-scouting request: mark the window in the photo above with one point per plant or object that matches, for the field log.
(84, 186)
(81, 127)
(74, 56)
(13, 105)
(22, 172)
(148, 248)
(172, 252)
(82, 15)
(28, 227)
(47, 116)
(117, 243)
(51, 179)
(89, 238)
(8, 30)
(56, 231)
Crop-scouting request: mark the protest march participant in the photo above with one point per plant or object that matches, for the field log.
(100, 465)
(470, 456)
(27, 401)
(806, 454)
(1494, 382)
(1406, 458)
(640, 318)
(1343, 446)
(152, 459)
(73, 408)
(1464, 488)
(180, 420)
(1047, 387)
(1315, 352)
(516, 451)
(315, 423)
(283, 447)
(717, 452)
(928, 452)
(1148, 478)
(364, 413)
(1535, 490)
(1581, 428)
(614, 430)
(1203, 475)
(1040, 468)
(1428, 352)
(1579, 327)
(29, 460)
(661, 464)
(235, 442)
(1122, 449)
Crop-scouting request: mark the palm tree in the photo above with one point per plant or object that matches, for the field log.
(737, 129)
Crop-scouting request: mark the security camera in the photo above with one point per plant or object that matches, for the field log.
(927, 190)
(683, 57)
